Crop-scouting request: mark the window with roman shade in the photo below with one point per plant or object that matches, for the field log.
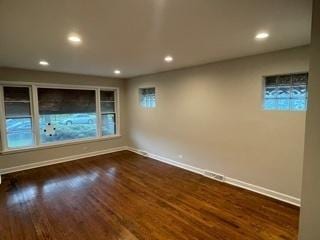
(47, 115)
(72, 114)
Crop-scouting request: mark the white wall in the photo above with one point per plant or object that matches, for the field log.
(213, 116)
(310, 211)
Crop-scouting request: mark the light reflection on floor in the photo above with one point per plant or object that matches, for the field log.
(112, 171)
(23, 195)
(53, 186)
(29, 193)
(69, 184)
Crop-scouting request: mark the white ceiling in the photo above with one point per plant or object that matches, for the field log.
(135, 35)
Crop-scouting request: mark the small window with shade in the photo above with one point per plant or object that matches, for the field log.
(18, 118)
(147, 97)
(108, 112)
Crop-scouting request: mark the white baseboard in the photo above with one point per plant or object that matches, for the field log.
(58, 160)
(261, 190)
(265, 191)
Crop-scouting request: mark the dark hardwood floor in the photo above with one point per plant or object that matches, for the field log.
(125, 196)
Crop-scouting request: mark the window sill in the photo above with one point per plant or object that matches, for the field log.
(57, 145)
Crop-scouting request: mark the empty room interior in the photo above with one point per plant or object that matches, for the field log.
(160, 119)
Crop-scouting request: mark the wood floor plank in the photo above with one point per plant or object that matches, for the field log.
(126, 196)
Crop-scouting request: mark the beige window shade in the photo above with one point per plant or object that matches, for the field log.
(64, 101)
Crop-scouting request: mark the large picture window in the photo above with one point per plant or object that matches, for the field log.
(69, 114)
(56, 115)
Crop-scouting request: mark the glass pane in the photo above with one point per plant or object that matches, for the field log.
(108, 124)
(107, 95)
(107, 107)
(17, 109)
(148, 101)
(299, 91)
(16, 94)
(270, 92)
(284, 92)
(283, 104)
(18, 125)
(300, 79)
(153, 101)
(66, 101)
(271, 81)
(20, 139)
(270, 104)
(143, 101)
(299, 104)
(147, 91)
(63, 127)
(284, 80)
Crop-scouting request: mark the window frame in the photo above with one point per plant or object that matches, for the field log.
(3, 128)
(35, 116)
(263, 89)
(116, 110)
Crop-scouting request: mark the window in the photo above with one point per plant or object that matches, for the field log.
(70, 113)
(18, 117)
(56, 115)
(147, 97)
(286, 92)
(108, 113)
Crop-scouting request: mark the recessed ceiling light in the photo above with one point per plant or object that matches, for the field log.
(262, 35)
(168, 59)
(43, 63)
(73, 38)
(117, 72)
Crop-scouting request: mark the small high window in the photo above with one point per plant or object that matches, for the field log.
(147, 97)
(286, 92)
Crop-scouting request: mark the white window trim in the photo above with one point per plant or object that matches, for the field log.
(33, 86)
(116, 110)
(2, 121)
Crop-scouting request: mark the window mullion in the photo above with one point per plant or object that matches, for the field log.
(35, 115)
